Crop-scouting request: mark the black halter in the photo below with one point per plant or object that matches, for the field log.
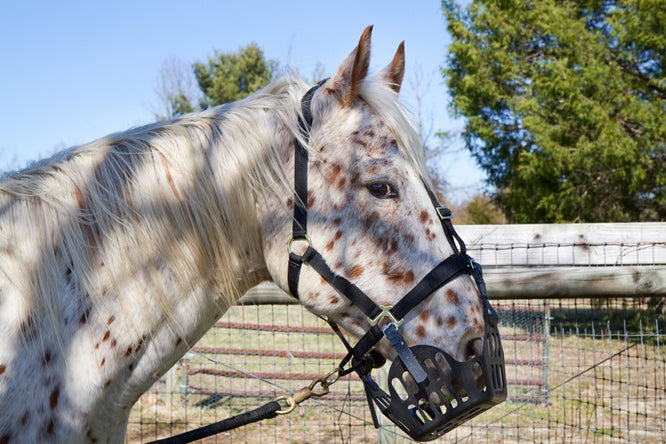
(431, 411)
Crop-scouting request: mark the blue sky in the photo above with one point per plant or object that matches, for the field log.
(71, 72)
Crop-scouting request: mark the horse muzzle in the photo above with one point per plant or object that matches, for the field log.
(451, 392)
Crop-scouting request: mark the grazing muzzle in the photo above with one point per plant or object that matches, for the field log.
(449, 392)
(430, 393)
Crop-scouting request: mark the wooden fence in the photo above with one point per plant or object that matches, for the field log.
(544, 279)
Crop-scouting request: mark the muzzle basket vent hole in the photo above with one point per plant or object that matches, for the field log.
(409, 383)
(443, 364)
(446, 393)
(436, 399)
(418, 413)
(459, 388)
(433, 369)
(479, 378)
(399, 389)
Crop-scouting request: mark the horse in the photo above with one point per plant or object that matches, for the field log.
(118, 255)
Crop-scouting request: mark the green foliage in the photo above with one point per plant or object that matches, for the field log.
(179, 104)
(481, 211)
(227, 77)
(565, 105)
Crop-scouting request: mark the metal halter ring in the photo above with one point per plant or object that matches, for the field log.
(305, 238)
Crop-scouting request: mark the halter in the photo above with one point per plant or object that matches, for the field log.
(448, 393)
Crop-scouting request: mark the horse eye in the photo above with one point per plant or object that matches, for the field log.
(382, 190)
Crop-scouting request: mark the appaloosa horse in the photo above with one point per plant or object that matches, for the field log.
(118, 255)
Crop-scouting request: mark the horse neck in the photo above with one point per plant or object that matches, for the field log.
(147, 237)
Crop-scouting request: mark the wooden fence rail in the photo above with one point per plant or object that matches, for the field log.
(555, 260)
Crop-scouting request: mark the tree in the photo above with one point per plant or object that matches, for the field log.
(565, 105)
(481, 211)
(177, 89)
(227, 77)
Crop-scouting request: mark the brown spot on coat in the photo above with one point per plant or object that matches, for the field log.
(3, 367)
(170, 180)
(112, 318)
(26, 328)
(424, 315)
(53, 400)
(451, 322)
(46, 358)
(335, 172)
(423, 217)
(50, 427)
(369, 221)
(84, 316)
(420, 331)
(439, 321)
(356, 271)
(101, 364)
(4, 439)
(129, 351)
(24, 418)
(334, 300)
(106, 336)
(452, 297)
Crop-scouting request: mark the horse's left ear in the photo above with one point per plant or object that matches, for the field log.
(347, 81)
(395, 71)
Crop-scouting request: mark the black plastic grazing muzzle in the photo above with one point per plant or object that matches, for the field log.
(452, 392)
(430, 393)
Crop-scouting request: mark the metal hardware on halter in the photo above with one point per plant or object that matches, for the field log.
(307, 392)
(386, 313)
(305, 238)
(444, 213)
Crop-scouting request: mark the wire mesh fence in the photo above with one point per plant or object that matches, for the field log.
(583, 369)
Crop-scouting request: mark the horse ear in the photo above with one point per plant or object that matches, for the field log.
(395, 71)
(347, 80)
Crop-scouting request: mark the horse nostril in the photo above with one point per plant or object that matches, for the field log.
(474, 348)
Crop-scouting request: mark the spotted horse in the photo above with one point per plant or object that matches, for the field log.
(118, 255)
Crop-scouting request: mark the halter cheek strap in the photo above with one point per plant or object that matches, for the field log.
(450, 268)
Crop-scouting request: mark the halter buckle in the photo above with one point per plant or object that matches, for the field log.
(444, 213)
(386, 313)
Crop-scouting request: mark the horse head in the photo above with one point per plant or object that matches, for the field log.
(370, 214)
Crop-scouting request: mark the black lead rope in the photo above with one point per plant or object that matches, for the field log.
(266, 411)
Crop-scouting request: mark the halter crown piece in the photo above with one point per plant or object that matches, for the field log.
(430, 393)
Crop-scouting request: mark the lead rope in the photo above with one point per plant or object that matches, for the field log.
(317, 388)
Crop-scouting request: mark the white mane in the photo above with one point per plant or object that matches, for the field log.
(96, 213)
(100, 213)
